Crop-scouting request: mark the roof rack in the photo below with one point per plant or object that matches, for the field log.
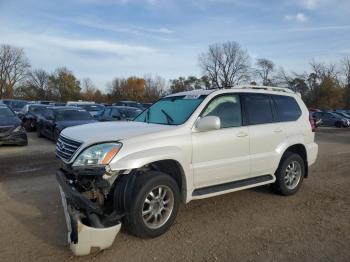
(270, 88)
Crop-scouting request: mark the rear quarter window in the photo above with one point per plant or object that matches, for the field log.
(287, 108)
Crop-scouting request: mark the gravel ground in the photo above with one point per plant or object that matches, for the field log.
(250, 225)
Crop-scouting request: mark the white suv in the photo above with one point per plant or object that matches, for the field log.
(186, 146)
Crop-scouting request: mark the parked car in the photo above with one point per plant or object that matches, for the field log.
(186, 146)
(11, 130)
(146, 105)
(130, 104)
(116, 113)
(93, 108)
(331, 119)
(15, 104)
(55, 119)
(29, 115)
(343, 114)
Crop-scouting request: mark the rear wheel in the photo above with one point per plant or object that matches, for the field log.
(154, 205)
(290, 174)
(27, 125)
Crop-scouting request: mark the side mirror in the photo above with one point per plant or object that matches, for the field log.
(208, 123)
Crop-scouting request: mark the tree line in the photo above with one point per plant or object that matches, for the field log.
(223, 65)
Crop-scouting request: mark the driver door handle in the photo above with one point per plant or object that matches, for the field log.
(277, 130)
(242, 134)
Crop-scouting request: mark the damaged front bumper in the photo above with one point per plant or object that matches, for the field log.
(89, 227)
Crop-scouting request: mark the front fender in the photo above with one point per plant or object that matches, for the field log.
(141, 158)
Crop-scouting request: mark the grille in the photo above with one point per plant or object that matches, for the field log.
(66, 148)
(5, 129)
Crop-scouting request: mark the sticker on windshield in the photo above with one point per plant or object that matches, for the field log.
(191, 96)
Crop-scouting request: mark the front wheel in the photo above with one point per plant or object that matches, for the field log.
(290, 174)
(154, 205)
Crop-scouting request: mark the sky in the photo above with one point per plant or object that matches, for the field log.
(104, 39)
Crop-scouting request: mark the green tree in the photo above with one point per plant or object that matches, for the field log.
(63, 85)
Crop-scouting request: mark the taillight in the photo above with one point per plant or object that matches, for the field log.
(313, 124)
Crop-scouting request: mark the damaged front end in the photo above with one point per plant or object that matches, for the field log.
(94, 204)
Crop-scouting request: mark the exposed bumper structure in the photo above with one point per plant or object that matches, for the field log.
(84, 237)
(14, 138)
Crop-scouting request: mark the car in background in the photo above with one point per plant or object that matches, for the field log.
(117, 113)
(93, 108)
(11, 130)
(130, 104)
(29, 115)
(15, 104)
(343, 114)
(51, 103)
(55, 119)
(331, 119)
(146, 105)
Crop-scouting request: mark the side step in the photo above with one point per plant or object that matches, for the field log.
(231, 185)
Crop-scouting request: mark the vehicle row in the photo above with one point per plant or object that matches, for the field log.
(18, 106)
(336, 118)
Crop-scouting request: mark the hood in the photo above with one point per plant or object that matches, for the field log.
(111, 131)
(64, 124)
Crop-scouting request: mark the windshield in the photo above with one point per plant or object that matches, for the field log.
(72, 114)
(92, 108)
(37, 109)
(18, 104)
(6, 113)
(173, 110)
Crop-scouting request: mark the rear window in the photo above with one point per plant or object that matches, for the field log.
(287, 108)
(71, 115)
(258, 109)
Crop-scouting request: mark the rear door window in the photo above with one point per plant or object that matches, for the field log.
(258, 109)
(287, 108)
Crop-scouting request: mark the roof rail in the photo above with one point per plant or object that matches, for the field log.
(270, 88)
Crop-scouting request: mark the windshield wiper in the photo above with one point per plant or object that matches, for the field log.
(147, 116)
(168, 117)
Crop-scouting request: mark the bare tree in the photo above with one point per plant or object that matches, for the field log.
(38, 80)
(13, 68)
(264, 69)
(225, 64)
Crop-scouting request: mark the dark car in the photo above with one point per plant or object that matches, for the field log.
(331, 119)
(116, 113)
(146, 105)
(11, 130)
(130, 104)
(15, 104)
(29, 115)
(55, 119)
(93, 108)
(343, 114)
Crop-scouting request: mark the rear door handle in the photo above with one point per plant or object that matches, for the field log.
(241, 134)
(277, 130)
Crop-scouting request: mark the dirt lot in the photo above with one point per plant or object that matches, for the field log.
(251, 225)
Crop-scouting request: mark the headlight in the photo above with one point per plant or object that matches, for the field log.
(18, 128)
(100, 154)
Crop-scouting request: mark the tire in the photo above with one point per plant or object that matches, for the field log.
(56, 134)
(287, 182)
(135, 221)
(27, 125)
(40, 135)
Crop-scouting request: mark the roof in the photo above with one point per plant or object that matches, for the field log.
(198, 92)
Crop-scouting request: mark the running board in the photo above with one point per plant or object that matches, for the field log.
(232, 185)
